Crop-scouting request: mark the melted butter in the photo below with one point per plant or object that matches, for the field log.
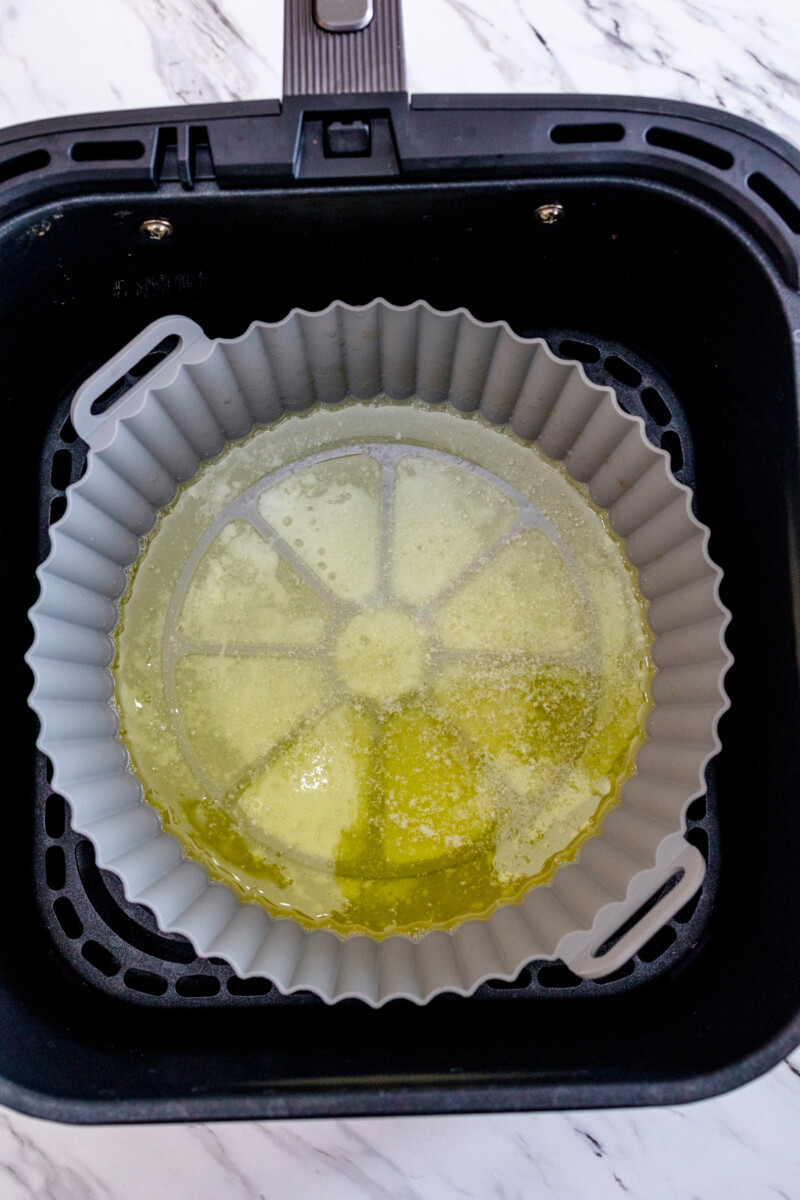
(389, 688)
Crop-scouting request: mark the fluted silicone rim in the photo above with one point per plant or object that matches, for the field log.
(140, 448)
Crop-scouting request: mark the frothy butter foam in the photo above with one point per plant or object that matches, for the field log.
(382, 668)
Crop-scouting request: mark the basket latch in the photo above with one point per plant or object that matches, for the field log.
(343, 16)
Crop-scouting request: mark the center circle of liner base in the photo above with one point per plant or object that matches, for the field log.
(382, 639)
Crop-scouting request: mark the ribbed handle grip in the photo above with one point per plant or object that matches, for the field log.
(318, 62)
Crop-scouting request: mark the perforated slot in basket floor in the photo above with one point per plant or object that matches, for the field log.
(116, 946)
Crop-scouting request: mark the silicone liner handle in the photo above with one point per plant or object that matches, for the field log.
(589, 965)
(96, 429)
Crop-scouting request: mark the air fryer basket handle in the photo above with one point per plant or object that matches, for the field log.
(363, 54)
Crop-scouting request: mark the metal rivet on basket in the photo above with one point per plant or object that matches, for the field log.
(156, 228)
(549, 214)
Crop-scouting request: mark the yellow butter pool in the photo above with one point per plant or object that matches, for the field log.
(382, 667)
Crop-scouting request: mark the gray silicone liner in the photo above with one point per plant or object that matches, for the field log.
(206, 393)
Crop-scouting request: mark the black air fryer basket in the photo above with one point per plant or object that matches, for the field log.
(683, 227)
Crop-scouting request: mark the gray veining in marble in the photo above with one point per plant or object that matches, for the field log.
(60, 56)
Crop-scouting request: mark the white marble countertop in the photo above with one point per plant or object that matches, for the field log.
(70, 56)
(67, 56)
